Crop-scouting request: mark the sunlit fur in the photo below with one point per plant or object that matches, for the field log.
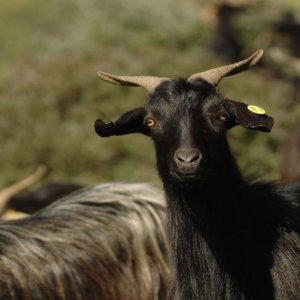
(107, 242)
(229, 239)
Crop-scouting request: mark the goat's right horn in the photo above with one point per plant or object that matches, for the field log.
(214, 76)
(148, 82)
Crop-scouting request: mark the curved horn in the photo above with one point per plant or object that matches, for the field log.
(148, 82)
(10, 191)
(214, 76)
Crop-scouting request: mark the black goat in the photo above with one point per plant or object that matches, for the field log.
(107, 242)
(289, 27)
(32, 201)
(229, 239)
(226, 41)
(7, 193)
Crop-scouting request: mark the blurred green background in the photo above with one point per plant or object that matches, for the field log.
(50, 94)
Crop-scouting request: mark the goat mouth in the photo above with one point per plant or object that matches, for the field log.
(185, 176)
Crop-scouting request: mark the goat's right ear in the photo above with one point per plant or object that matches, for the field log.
(130, 122)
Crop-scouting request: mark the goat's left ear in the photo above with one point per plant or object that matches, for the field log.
(130, 122)
(249, 116)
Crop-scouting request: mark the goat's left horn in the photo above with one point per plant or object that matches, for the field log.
(214, 76)
(148, 82)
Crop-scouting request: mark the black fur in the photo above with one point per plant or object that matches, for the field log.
(33, 201)
(229, 239)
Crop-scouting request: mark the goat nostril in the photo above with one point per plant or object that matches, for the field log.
(180, 158)
(187, 156)
(194, 158)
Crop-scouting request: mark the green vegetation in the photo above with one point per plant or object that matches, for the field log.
(50, 94)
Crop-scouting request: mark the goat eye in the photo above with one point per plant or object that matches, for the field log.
(222, 118)
(150, 122)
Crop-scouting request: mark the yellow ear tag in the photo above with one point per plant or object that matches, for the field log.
(256, 109)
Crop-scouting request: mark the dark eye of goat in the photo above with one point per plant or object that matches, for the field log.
(224, 120)
(150, 122)
(222, 117)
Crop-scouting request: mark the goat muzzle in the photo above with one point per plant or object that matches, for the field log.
(187, 160)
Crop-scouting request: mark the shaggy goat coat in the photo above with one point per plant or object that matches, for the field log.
(108, 242)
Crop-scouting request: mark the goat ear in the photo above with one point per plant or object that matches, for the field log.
(130, 122)
(250, 116)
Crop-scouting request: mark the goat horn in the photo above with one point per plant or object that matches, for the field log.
(148, 82)
(10, 191)
(214, 76)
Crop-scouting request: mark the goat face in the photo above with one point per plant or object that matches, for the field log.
(180, 118)
(187, 121)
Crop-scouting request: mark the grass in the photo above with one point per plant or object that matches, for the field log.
(50, 94)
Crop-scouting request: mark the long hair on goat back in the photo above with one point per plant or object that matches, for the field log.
(108, 242)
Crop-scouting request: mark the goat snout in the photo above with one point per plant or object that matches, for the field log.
(187, 159)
